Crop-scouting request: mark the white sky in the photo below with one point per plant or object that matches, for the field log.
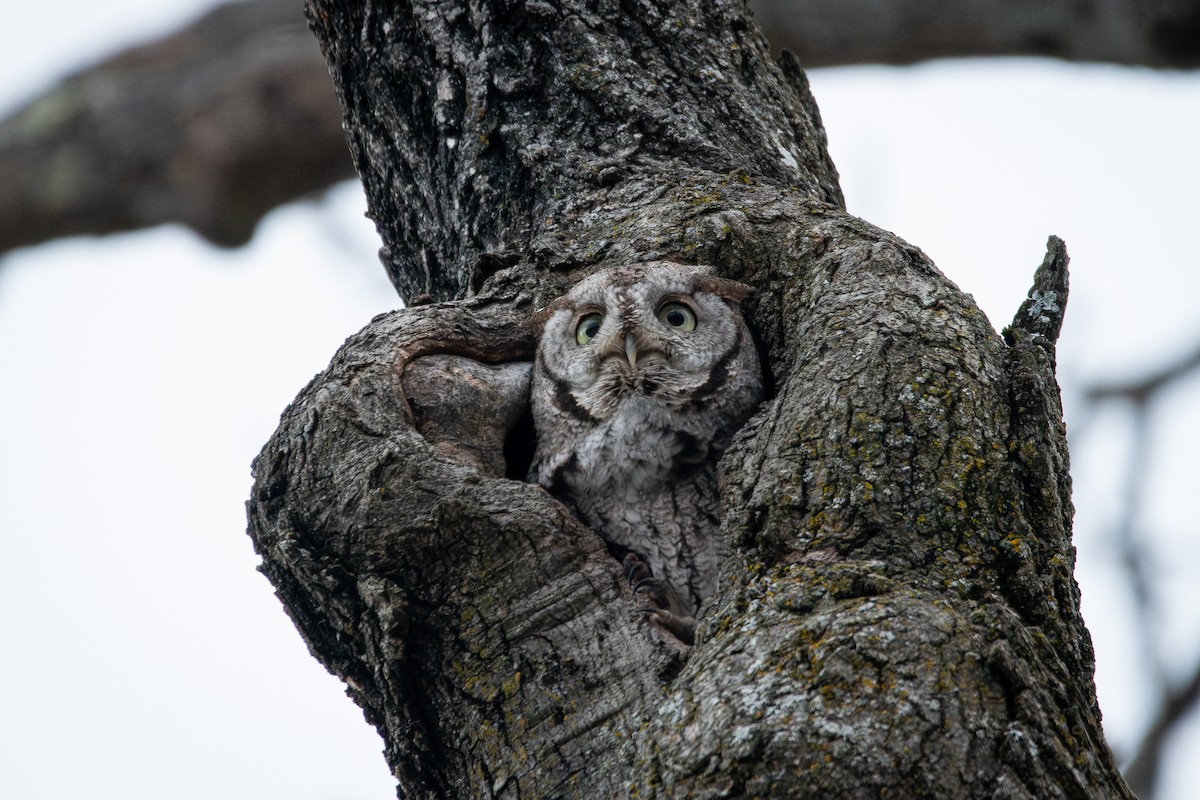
(143, 655)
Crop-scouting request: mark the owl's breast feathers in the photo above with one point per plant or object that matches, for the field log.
(640, 444)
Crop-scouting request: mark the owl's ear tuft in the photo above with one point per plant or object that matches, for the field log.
(725, 288)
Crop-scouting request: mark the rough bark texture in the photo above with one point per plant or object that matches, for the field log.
(899, 617)
(217, 124)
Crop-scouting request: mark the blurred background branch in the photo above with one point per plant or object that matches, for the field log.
(212, 126)
(233, 115)
(1175, 700)
(824, 33)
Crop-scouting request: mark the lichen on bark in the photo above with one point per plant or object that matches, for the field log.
(897, 615)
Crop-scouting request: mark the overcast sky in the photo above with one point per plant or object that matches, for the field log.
(144, 657)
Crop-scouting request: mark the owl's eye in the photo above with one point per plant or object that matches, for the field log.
(677, 316)
(588, 327)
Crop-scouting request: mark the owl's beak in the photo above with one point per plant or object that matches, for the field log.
(631, 350)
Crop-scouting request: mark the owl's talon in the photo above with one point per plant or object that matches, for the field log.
(636, 570)
(655, 591)
(641, 577)
(644, 583)
(682, 628)
(656, 599)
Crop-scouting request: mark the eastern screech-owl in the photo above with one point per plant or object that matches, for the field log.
(643, 374)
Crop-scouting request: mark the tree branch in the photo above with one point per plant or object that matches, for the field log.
(211, 127)
(217, 124)
(1142, 390)
(1136, 554)
(1145, 768)
(835, 32)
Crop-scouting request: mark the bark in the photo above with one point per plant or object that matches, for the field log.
(217, 124)
(898, 617)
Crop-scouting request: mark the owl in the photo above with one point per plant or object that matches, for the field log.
(643, 374)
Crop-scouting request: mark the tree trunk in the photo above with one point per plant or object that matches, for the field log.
(898, 616)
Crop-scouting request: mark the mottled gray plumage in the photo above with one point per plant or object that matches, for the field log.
(643, 374)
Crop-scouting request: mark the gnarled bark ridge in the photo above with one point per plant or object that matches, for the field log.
(898, 616)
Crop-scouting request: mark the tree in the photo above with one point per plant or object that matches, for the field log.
(899, 616)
